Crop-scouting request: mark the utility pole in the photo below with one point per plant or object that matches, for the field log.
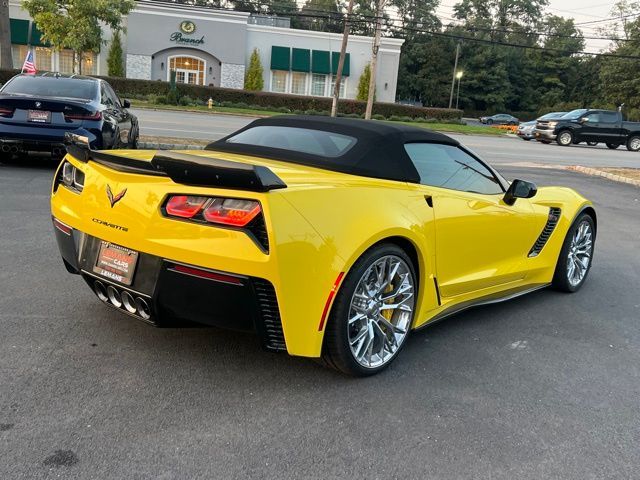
(343, 54)
(453, 78)
(6, 60)
(374, 59)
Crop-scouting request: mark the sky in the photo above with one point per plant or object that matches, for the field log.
(580, 10)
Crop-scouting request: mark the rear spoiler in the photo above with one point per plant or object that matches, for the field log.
(181, 168)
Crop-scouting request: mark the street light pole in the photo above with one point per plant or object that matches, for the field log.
(459, 77)
(453, 78)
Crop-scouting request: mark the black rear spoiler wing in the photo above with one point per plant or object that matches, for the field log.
(181, 168)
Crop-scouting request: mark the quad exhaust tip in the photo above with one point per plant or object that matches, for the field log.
(123, 300)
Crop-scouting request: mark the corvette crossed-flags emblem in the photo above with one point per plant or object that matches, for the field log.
(114, 199)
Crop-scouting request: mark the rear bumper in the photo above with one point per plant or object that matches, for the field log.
(166, 292)
(525, 134)
(22, 138)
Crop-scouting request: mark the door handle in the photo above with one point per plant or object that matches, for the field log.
(429, 200)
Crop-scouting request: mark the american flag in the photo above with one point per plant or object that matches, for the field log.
(29, 65)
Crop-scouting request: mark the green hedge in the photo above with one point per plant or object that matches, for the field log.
(127, 87)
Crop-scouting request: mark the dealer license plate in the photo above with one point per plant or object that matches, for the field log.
(116, 263)
(39, 116)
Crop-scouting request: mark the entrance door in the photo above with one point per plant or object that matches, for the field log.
(192, 77)
(190, 70)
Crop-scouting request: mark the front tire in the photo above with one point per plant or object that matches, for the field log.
(373, 312)
(564, 138)
(633, 143)
(489, 122)
(576, 255)
(612, 146)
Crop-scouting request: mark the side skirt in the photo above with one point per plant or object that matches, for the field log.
(486, 300)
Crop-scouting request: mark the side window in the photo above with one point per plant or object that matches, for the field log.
(105, 99)
(592, 118)
(112, 95)
(450, 167)
(608, 117)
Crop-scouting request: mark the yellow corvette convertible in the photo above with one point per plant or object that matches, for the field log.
(329, 238)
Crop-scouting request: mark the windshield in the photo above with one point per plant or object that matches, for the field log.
(552, 115)
(81, 89)
(574, 114)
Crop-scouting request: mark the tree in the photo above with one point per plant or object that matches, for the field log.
(115, 62)
(6, 60)
(331, 21)
(75, 24)
(253, 79)
(363, 84)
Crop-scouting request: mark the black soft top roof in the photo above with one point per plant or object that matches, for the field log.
(379, 151)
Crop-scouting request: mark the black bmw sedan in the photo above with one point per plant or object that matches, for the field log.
(37, 110)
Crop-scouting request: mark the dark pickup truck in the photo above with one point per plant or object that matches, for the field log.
(592, 126)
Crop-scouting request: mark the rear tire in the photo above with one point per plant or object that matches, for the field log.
(612, 146)
(576, 255)
(359, 339)
(592, 144)
(489, 122)
(633, 143)
(564, 138)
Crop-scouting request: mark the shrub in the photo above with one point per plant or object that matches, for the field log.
(253, 79)
(363, 84)
(377, 116)
(161, 99)
(115, 62)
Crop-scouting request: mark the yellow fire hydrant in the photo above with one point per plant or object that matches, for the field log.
(210, 103)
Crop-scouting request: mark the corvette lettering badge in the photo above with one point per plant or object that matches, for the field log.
(114, 199)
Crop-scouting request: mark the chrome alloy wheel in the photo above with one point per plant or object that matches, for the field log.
(381, 311)
(565, 138)
(634, 144)
(580, 252)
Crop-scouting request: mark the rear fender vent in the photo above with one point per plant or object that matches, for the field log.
(552, 221)
(270, 315)
(258, 229)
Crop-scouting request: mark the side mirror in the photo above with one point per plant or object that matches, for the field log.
(583, 120)
(126, 103)
(519, 189)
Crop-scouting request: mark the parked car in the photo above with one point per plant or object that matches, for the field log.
(596, 126)
(37, 110)
(328, 237)
(526, 130)
(500, 119)
(542, 132)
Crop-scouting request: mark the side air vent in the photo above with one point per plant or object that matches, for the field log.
(552, 221)
(270, 314)
(259, 230)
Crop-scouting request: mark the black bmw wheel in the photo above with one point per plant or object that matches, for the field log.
(372, 313)
(576, 255)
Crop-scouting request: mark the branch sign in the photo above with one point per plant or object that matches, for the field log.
(187, 27)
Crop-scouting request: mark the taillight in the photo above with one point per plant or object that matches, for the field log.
(6, 112)
(231, 211)
(185, 207)
(225, 211)
(71, 177)
(83, 116)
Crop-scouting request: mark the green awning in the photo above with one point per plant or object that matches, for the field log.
(320, 62)
(301, 60)
(280, 58)
(36, 37)
(335, 58)
(19, 31)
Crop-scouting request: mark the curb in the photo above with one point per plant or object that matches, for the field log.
(168, 146)
(599, 173)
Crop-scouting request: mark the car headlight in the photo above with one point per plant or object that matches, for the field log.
(553, 124)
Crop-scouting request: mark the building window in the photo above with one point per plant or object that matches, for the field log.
(19, 53)
(189, 70)
(333, 85)
(299, 83)
(279, 81)
(318, 85)
(89, 63)
(43, 58)
(65, 61)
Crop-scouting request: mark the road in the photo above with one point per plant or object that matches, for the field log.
(496, 150)
(544, 386)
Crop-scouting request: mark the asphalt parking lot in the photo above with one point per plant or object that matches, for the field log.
(545, 386)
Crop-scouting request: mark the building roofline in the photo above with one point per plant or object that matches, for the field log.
(385, 41)
(147, 6)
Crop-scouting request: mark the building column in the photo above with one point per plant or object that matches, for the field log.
(232, 75)
(138, 67)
